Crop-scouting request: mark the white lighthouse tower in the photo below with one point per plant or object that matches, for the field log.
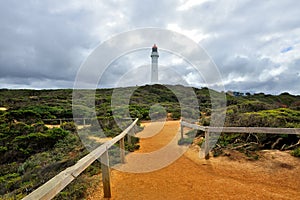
(154, 66)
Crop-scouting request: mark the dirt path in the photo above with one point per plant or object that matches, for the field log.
(274, 176)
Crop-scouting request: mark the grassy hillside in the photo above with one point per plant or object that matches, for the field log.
(31, 153)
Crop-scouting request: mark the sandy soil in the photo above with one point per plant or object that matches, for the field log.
(58, 126)
(3, 108)
(99, 140)
(274, 176)
(52, 126)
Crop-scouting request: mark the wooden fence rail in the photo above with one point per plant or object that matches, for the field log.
(60, 181)
(208, 130)
(83, 119)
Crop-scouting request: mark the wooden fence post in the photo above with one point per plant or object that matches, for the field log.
(181, 130)
(129, 137)
(122, 150)
(206, 146)
(105, 174)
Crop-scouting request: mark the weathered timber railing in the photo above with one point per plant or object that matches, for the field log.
(61, 120)
(208, 129)
(60, 181)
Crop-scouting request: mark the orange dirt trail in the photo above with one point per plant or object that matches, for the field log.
(274, 176)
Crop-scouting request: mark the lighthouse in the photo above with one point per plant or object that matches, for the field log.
(154, 65)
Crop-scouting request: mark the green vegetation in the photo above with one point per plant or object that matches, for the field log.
(296, 152)
(259, 110)
(187, 141)
(31, 153)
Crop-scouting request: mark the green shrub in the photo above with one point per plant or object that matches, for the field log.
(69, 126)
(75, 190)
(192, 133)
(201, 142)
(131, 147)
(57, 133)
(3, 149)
(184, 141)
(205, 121)
(10, 182)
(296, 152)
(176, 115)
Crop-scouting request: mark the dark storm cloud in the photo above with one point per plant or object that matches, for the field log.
(247, 39)
(36, 43)
(149, 13)
(255, 44)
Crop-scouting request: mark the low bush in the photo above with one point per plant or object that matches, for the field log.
(296, 152)
(184, 141)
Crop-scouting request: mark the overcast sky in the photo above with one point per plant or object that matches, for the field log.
(255, 44)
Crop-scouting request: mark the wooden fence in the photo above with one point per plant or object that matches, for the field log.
(208, 130)
(61, 120)
(85, 120)
(60, 181)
